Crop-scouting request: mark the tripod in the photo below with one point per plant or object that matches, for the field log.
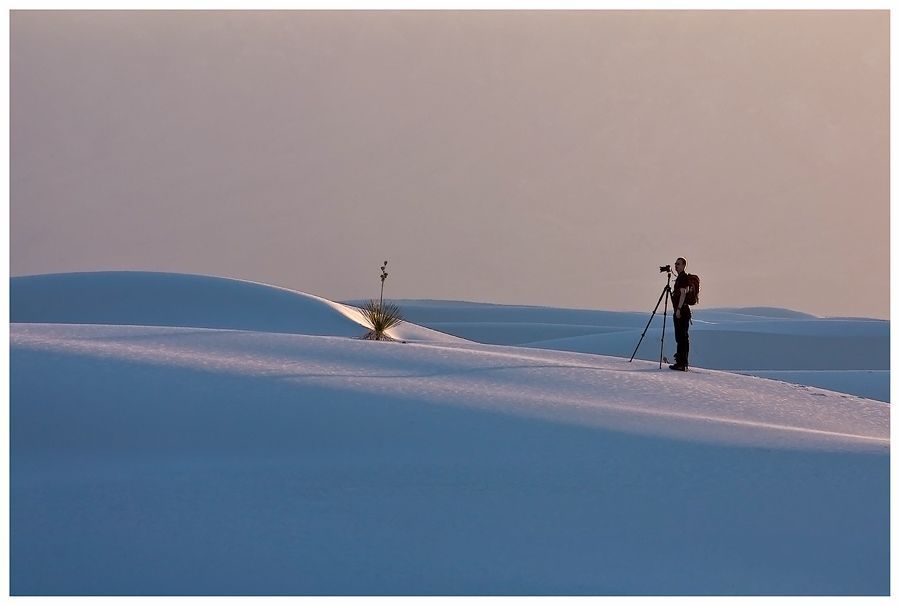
(667, 289)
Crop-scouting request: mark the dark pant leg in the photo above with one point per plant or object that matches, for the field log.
(682, 339)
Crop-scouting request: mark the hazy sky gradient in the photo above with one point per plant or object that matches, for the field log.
(542, 158)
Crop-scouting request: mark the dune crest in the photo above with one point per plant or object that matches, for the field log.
(138, 298)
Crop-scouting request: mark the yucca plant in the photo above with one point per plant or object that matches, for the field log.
(380, 316)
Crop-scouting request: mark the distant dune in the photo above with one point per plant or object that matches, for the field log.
(168, 299)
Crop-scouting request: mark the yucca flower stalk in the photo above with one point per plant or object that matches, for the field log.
(381, 317)
(384, 276)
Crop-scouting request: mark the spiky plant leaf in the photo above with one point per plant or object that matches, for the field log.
(381, 317)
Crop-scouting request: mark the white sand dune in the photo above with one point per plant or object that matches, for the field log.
(167, 299)
(268, 461)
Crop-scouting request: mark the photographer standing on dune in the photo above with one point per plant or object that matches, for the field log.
(682, 315)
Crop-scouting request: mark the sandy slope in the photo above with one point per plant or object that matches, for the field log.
(560, 386)
(271, 463)
(755, 341)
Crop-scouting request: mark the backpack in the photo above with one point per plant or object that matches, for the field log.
(692, 297)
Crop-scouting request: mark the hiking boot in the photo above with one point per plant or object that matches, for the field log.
(678, 367)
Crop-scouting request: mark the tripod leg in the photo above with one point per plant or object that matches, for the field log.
(662, 342)
(650, 320)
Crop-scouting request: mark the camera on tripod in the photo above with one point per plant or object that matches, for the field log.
(663, 268)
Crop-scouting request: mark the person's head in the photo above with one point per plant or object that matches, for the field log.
(680, 264)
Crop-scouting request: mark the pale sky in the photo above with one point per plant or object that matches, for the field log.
(536, 158)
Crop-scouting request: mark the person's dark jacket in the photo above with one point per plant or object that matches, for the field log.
(680, 282)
